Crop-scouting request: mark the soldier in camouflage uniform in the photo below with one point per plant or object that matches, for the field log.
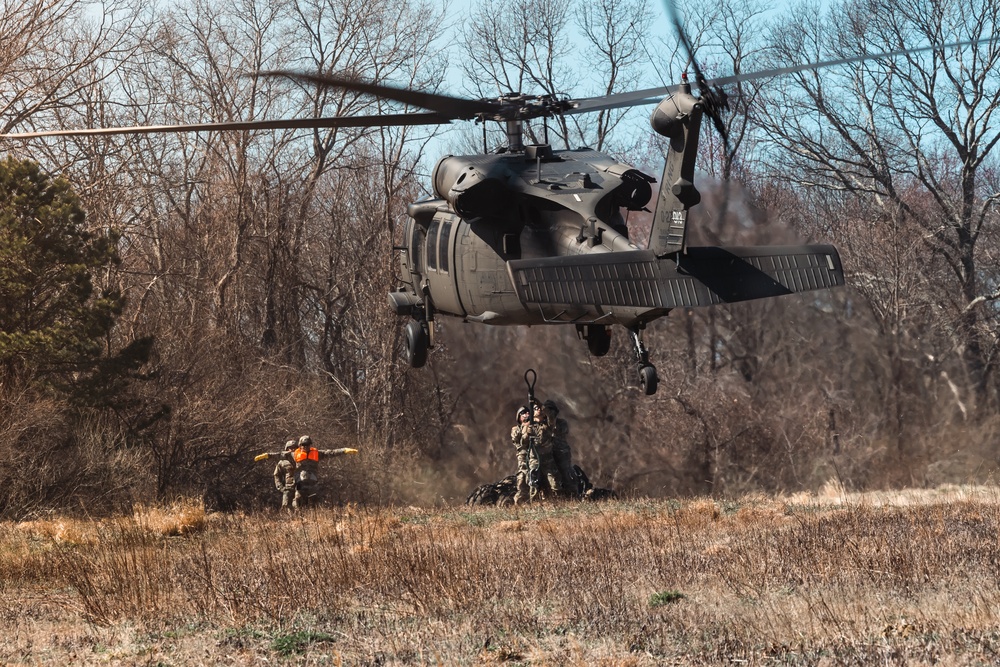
(284, 472)
(284, 475)
(542, 458)
(532, 437)
(561, 452)
(519, 437)
(307, 460)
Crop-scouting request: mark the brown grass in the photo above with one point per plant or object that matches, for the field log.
(907, 578)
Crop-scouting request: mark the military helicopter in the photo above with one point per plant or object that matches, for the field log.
(530, 235)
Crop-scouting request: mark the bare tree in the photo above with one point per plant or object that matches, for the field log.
(519, 46)
(52, 51)
(912, 135)
(616, 34)
(531, 47)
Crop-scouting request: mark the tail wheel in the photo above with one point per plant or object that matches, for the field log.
(417, 341)
(598, 340)
(648, 379)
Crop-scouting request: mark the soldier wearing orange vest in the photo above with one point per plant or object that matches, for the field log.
(307, 460)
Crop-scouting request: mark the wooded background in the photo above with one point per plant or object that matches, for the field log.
(236, 289)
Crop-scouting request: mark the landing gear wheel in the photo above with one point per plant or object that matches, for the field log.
(648, 379)
(647, 371)
(598, 340)
(417, 342)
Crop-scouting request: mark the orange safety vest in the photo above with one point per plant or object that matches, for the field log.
(301, 454)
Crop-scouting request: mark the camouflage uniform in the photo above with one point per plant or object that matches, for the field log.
(535, 459)
(284, 473)
(284, 479)
(519, 436)
(307, 460)
(560, 449)
(543, 460)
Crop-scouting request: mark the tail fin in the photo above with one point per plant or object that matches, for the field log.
(678, 118)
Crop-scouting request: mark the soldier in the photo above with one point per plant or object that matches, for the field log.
(307, 460)
(560, 449)
(541, 460)
(284, 475)
(284, 472)
(532, 437)
(519, 436)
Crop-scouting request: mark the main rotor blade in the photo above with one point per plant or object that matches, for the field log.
(389, 120)
(457, 108)
(654, 95)
(781, 71)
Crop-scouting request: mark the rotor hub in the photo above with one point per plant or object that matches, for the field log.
(519, 107)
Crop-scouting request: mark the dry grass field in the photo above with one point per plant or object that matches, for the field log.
(890, 579)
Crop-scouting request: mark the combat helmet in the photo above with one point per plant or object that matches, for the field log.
(305, 441)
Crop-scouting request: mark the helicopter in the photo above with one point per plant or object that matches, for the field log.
(531, 235)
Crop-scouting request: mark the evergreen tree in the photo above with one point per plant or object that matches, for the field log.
(53, 323)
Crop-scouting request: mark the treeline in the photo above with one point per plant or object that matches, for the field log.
(245, 273)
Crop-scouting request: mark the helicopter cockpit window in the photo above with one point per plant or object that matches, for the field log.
(432, 234)
(416, 236)
(443, 246)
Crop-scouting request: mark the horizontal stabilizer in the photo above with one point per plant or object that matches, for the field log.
(700, 277)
